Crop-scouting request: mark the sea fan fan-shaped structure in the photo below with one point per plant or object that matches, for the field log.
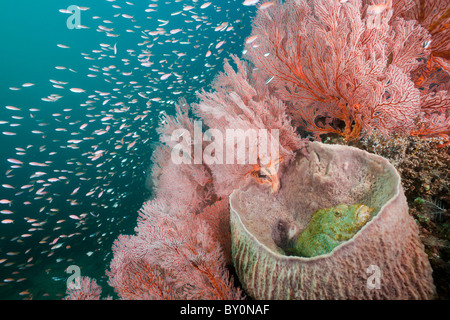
(345, 71)
(87, 289)
(193, 187)
(241, 103)
(172, 256)
(384, 260)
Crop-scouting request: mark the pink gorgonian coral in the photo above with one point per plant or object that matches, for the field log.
(172, 256)
(241, 101)
(85, 289)
(343, 70)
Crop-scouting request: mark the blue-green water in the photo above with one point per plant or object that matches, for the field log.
(51, 148)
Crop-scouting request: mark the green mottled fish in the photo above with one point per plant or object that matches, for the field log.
(326, 230)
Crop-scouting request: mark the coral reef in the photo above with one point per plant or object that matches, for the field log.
(433, 220)
(373, 76)
(421, 164)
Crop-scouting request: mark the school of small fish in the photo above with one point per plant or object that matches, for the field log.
(81, 151)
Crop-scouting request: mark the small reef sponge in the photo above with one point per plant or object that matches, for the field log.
(327, 229)
(379, 258)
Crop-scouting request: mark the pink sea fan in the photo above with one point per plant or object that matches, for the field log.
(88, 290)
(435, 117)
(241, 103)
(187, 181)
(331, 57)
(133, 277)
(172, 256)
(435, 17)
(217, 216)
(190, 184)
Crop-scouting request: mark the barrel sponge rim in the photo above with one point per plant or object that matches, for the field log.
(251, 253)
(398, 188)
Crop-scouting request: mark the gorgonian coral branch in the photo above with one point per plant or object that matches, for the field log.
(334, 54)
(172, 256)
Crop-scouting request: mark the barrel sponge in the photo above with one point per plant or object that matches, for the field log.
(384, 260)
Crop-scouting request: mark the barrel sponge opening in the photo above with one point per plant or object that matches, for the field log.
(384, 260)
